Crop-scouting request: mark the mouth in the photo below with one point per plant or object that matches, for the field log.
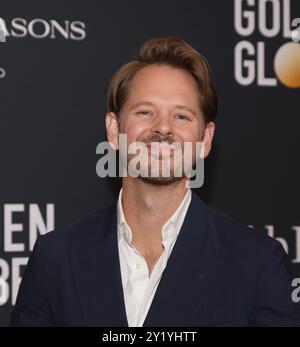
(157, 148)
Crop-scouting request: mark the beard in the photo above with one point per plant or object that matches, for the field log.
(160, 179)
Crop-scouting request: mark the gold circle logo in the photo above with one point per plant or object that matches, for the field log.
(287, 64)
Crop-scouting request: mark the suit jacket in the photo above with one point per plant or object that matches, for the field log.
(219, 273)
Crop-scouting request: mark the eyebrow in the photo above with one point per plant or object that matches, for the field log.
(149, 103)
(181, 107)
(141, 103)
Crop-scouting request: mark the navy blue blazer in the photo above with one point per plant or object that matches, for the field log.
(219, 273)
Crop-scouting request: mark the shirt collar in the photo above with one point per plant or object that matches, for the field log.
(170, 229)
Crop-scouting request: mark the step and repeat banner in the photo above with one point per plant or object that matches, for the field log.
(56, 58)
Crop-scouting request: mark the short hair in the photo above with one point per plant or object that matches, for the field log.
(173, 51)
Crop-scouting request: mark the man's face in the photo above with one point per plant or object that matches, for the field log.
(162, 107)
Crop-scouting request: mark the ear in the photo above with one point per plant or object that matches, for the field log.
(207, 137)
(112, 129)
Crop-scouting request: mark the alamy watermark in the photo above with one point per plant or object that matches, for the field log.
(157, 162)
(296, 291)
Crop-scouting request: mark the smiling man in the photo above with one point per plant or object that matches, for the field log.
(159, 256)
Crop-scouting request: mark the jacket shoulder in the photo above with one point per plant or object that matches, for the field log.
(83, 230)
(243, 240)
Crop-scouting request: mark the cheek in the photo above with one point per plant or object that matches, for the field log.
(190, 134)
(134, 129)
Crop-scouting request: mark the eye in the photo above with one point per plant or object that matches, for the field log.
(182, 117)
(143, 112)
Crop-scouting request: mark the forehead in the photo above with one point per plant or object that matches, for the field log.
(163, 84)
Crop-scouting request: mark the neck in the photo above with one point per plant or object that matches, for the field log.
(147, 207)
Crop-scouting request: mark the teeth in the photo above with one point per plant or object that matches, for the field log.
(164, 145)
(175, 146)
(154, 146)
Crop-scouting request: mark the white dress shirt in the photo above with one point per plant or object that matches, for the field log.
(139, 289)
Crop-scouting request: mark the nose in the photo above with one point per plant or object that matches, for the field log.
(162, 126)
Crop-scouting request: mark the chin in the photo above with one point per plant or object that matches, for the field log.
(160, 181)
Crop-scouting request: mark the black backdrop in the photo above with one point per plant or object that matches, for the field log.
(52, 107)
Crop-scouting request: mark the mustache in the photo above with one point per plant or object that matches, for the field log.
(160, 138)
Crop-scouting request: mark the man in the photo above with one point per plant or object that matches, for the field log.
(159, 256)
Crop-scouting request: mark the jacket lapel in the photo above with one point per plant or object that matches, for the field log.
(185, 283)
(190, 271)
(96, 270)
